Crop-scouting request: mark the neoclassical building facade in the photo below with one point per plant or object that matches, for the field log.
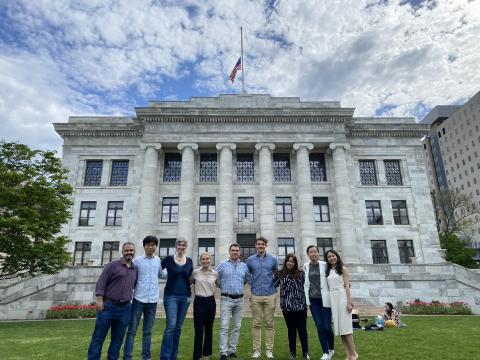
(219, 170)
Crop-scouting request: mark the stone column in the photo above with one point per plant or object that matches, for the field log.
(344, 205)
(225, 201)
(148, 194)
(186, 201)
(304, 199)
(267, 205)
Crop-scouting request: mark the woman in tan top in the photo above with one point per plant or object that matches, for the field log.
(204, 306)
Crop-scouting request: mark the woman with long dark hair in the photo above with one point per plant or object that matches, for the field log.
(391, 314)
(341, 301)
(293, 303)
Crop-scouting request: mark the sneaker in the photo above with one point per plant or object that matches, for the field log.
(292, 356)
(233, 355)
(269, 354)
(306, 356)
(256, 355)
(331, 353)
(223, 357)
(325, 357)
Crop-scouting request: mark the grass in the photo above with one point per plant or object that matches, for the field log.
(438, 337)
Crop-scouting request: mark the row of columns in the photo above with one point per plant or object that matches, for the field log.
(345, 229)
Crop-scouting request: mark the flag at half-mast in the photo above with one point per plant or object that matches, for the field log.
(238, 66)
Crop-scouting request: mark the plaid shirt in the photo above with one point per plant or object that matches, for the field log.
(232, 276)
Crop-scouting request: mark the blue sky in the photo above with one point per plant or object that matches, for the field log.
(90, 57)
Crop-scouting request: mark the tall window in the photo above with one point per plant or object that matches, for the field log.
(247, 245)
(284, 209)
(285, 246)
(245, 168)
(393, 172)
(324, 244)
(208, 167)
(245, 209)
(93, 173)
(400, 213)
(110, 251)
(87, 213)
(82, 253)
(281, 167)
(170, 210)
(318, 171)
(207, 209)
(368, 174)
(406, 251)
(114, 213)
(379, 251)
(166, 247)
(206, 245)
(172, 169)
(320, 209)
(374, 212)
(119, 173)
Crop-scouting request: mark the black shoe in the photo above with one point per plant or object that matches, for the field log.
(233, 355)
(223, 357)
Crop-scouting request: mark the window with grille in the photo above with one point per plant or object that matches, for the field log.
(166, 247)
(285, 246)
(206, 245)
(281, 167)
(110, 251)
(93, 173)
(87, 213)
(119, 174)
(172, 169)
(245, 168)
(393, 172)
(374, 212)
(82, 253)
(247, 245)
(368, 174)
(114, 213)
(324, 244)
(207, 209)
(406, 251)
(284, 209)
(400, 213)
(379, 251)
(320, 209)
(208, 167)
(245, 209)
(318, 171)
(170, 210)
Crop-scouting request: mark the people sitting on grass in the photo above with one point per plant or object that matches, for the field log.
(391, 316)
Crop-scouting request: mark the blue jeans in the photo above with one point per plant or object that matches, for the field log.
(149, 310)
(176, 307)
(322, 316)
(116, 318)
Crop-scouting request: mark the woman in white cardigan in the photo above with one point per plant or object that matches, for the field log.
(318, 299)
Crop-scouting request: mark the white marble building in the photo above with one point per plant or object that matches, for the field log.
(298, 173)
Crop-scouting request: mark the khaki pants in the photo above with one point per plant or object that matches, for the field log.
(263, 309)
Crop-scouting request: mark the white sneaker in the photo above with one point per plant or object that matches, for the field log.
(256, 355)
(325, 357)
(269, 354)
(331, 353)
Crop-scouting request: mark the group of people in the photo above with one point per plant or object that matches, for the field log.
(322, 286)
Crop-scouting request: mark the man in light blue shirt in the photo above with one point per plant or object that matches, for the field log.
(145, 298)
(262, 266)
(232, 276)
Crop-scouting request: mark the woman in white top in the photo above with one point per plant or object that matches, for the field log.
(341, 301)
(204, 307)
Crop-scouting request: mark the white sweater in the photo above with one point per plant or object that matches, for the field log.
(323, 283)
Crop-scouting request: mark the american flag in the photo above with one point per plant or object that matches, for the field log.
(238, 66)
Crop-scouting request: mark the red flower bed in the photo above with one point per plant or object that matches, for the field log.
(71, 311)
(418, 307)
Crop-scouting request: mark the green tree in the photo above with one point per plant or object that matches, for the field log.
(457, 251)
(34, 204)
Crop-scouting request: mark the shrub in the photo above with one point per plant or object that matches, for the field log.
(71, 311)
(434, 307)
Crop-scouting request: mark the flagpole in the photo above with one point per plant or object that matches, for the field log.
(243, 64)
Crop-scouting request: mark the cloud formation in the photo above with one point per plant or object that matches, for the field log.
(395, 57)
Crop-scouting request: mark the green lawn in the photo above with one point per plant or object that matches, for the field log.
(453, 337)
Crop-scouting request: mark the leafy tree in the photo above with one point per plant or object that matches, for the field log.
(34, 204)
(457, 251)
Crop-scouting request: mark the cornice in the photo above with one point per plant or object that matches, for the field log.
(381, 130)
(100, 133)
(244, 119)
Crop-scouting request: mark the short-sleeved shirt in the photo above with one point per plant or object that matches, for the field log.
(314, 277)
(232, 276)
(204, 282)
(178, 280)
(147, 289)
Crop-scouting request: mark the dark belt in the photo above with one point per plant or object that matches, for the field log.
(232, 296)
(115, 302)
